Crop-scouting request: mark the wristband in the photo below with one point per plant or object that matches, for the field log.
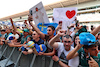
(58, 61)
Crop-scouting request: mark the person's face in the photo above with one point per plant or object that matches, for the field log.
(28, 39)
(67, 43)
(93, 51)
(50, 31)
(25, 33)
(35, 35)
(8, 31)
(2, 32)
(76, 39)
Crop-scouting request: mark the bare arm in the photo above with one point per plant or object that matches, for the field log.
(74, 52)
(95, 31)
(53, 42)
(48, 54)
(42, 35)
(13, 24)
(55, 58)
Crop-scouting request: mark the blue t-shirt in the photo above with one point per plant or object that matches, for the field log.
(39, 42)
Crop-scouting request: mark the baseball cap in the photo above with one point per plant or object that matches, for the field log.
(25, 30)
(87, 38)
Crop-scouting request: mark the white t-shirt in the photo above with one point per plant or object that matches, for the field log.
(16, 36)
(74, 62)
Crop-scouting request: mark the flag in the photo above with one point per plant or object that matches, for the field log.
(43, 27)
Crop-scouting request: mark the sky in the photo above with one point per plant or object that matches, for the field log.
(10, 7)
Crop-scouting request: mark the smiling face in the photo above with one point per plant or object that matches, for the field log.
(67, 43)
(76, 39)
(50, 31)
(35, 35)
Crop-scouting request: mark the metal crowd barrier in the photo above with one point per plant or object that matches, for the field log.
(11, 57)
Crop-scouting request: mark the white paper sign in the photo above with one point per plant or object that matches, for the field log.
(66, 15)
(39, 14)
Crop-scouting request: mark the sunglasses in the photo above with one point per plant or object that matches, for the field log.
(67, 41)
(48, 30)
(33, 34)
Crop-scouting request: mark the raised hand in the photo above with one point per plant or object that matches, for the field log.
(55, 58)
(61, 32)
(92, 63)
(30, 18)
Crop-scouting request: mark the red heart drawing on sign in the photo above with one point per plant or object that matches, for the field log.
(70, 14)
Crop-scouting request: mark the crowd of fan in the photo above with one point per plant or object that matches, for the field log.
(66, 47)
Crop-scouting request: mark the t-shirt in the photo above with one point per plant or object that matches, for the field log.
(24, 39)
(46, 40)
(39, 42)
(83, 60)
(16, 36)
(7, 35)
(74, 62)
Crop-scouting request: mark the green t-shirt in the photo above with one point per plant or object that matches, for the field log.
(24, 39)
(83, 60)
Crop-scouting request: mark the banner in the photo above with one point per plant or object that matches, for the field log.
(66, 15)
(39, 14)
(43, 27)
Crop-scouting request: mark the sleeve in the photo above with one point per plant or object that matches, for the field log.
(74, 62)
(72, 35)
(9, 36)
(80, 50)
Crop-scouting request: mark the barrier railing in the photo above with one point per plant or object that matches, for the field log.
(15, 58)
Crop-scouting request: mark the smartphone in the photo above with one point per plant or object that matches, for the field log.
(30, 12)
(77, 23)
(60, 22)
(88, 57)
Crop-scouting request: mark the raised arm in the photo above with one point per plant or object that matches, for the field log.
(95, 31)
(74, 52)
(42, 35)
(13, 24)
(53, 42)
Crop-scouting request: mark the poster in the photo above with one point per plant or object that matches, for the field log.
(66, 15)
(39, 14)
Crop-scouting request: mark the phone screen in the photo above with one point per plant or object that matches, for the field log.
(30, 12)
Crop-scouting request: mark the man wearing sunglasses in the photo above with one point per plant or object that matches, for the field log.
(45, 37)
(63, 49)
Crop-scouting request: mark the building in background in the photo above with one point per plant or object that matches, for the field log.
(88, 11)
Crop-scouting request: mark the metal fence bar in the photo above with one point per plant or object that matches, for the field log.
(3, 52)
(43, 62)
(51, 63)
(18, 59)
(0, 47)
(31, 65)
(9, 56)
